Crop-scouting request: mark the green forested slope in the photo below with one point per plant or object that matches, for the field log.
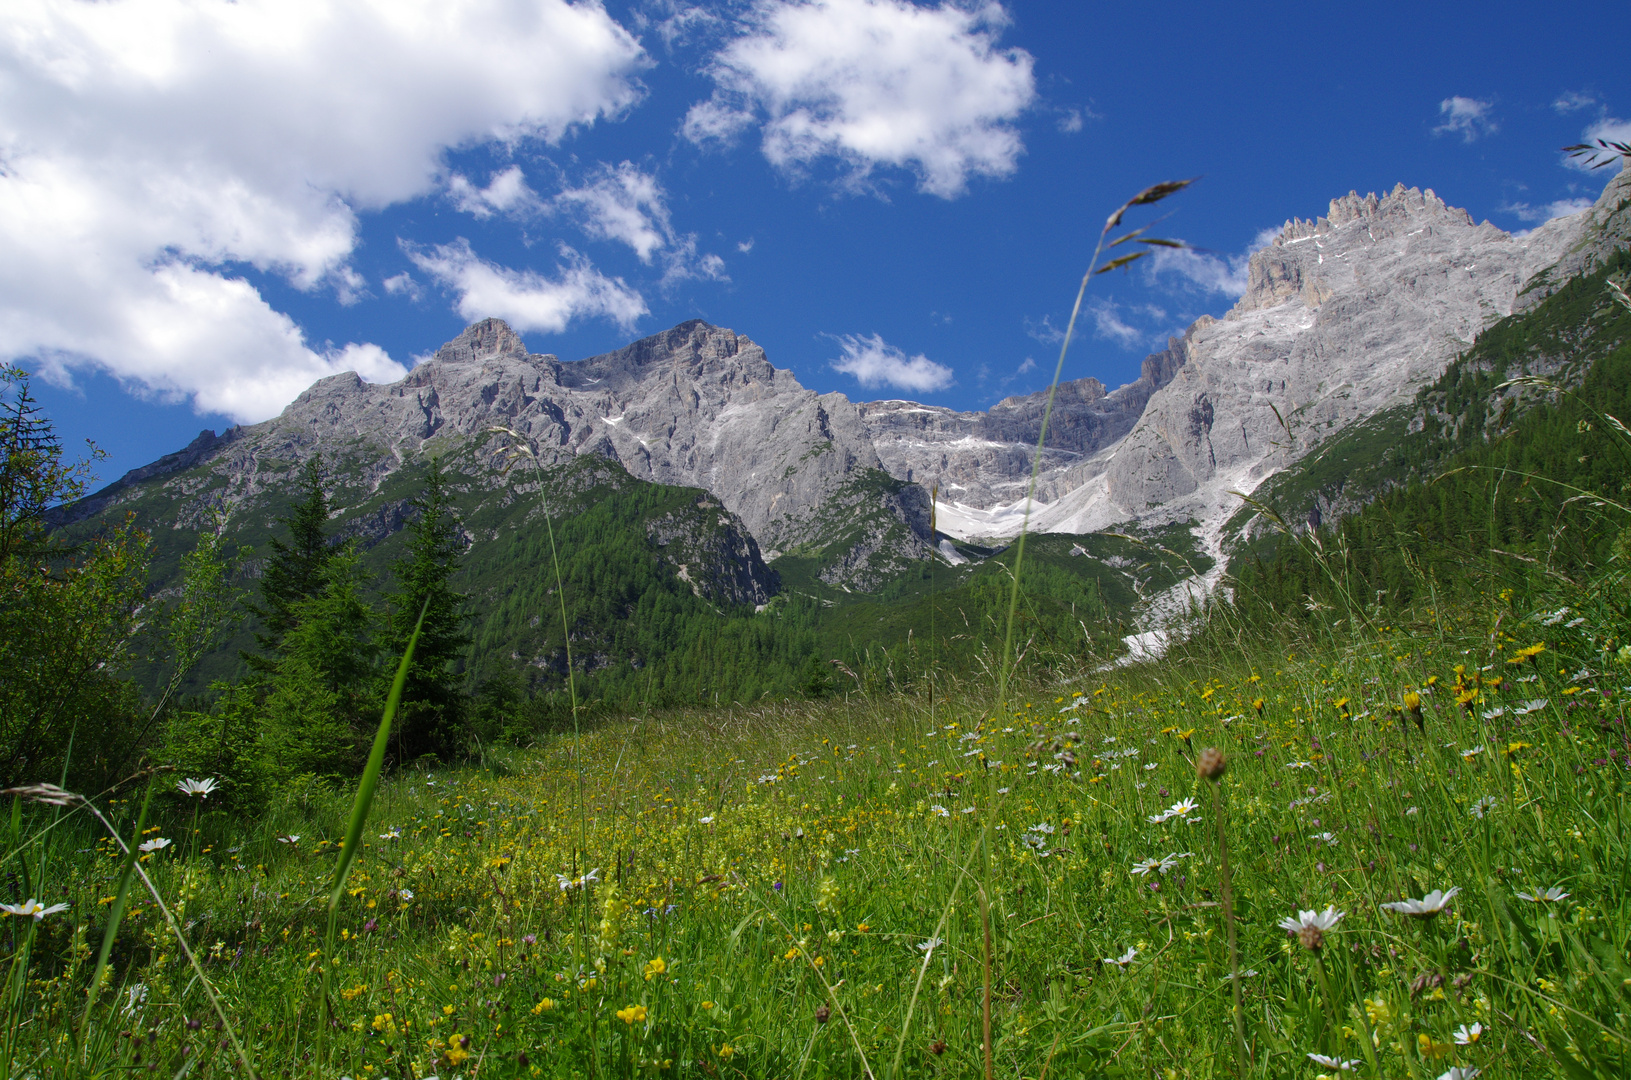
(1477, 486)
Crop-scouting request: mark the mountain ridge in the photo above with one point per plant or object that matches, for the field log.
(1344, 315)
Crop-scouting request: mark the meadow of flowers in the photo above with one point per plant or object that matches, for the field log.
(1424, 831)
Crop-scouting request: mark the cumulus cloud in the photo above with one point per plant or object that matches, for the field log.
(622, 204)
(873, 83)
(1541, 214)
(1466, 117)
(1109, 324)
(506, 193)
(1573, 101)
(1205, 272)
(151, 145)
(875, 363)
(526, 299)
(402, 284)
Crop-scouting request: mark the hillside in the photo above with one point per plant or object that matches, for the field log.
(1479, 484)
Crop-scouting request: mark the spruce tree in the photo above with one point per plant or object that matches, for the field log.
(321, 694)
(295, 572)
(432, 715)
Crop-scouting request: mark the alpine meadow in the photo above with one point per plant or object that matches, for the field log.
(666, 713)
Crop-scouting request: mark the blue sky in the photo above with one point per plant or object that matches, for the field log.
(204, 206)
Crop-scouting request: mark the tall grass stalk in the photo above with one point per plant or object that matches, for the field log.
(1148, 196)
(359, 813)
(116, 914)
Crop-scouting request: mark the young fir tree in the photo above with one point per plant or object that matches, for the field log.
(432, 715)
(294, 573)
(321, 694)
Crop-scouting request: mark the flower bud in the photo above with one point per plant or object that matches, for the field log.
(1211, 764)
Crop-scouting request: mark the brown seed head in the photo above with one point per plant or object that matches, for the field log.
(1212, 763)
(1312, 938)
(937, 1047)
(822, 1014)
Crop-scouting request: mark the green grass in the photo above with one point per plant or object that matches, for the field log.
(825, 844)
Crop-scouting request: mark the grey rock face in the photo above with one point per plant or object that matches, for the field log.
(1344, 316)
(984, 459)
(696, 406)
(1605, 229)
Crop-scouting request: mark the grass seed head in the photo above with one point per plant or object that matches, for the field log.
(1211, 764)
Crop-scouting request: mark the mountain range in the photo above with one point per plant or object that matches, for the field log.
(1343, 318)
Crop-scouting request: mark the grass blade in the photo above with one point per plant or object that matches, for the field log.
(365, 799)
(115, 914)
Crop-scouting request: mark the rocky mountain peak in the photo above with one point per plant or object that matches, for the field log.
(482, 341)
(1343, 316)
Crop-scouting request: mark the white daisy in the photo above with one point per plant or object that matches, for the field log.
(1466, 1036)
(1425, 908)
(1124, 959)
(158, 843)
(1546, 896)
(1139, 869)
(201, 788)
(1318, 920)
(32, 908)
(1333, 1063)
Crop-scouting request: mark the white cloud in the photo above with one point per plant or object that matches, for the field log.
(1573, 101)
(402, 284)
(149, 145)
(1201, 271)
(1466, 117)
(525, 299)
(1108, 323)
(1206, 272)
(1541, 214)
(875, 363)
(506, 193)
(677, 23)
(716, 121)
(1607, 129)
(1044, 331)
(745, 246)
(874, 83)
(622, 204)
